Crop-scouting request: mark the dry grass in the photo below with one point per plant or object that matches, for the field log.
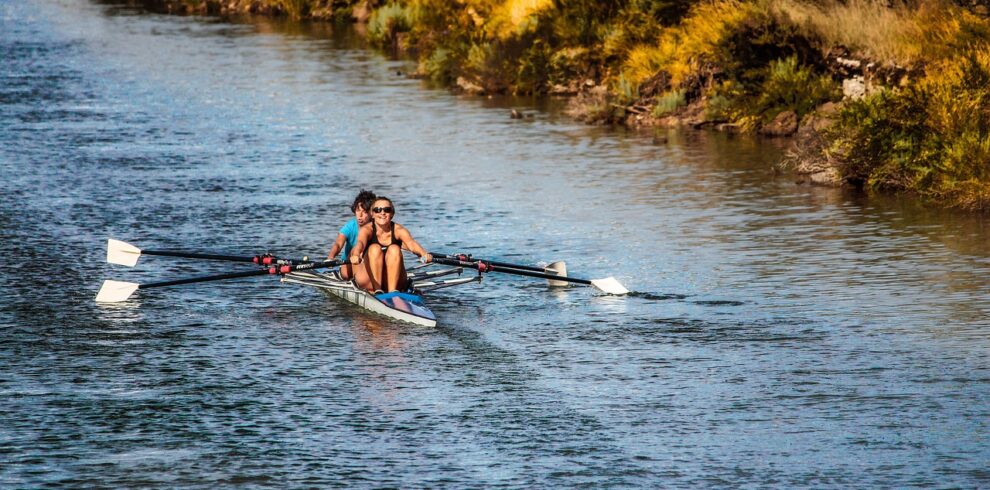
(903, 31)
(681, 49)
(513, 16)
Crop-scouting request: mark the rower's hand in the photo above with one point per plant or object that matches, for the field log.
(354, 259)
(426, 258)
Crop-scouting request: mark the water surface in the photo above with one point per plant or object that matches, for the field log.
(780, 335)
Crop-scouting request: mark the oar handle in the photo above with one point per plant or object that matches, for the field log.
(468, 258)
(278, 269)
(489, 266)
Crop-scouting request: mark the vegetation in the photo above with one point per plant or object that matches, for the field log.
(924, 68)
(932, 137)
(923, 126)
(669, 103)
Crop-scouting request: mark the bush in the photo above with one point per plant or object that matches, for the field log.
(682, 50)
(932, 138)
(669, 102)
(719, 108)
(440, 66)
(296, 9)
(533, 72)
(625, 92)
(790, 87)
(386, 21)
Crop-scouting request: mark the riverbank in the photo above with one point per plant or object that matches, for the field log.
(888, 96)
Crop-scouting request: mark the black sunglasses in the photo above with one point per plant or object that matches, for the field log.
(388, 210)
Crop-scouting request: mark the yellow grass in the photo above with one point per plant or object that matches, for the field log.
(514, 17)
(903, 32)
(680, 49)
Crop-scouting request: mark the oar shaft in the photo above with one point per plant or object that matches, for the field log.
(492, 262)
(285, 269)
(196, 255)
(488, 266)
(257, 259)
(190, 280)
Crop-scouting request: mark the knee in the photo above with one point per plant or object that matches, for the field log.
(393, 252)
(374, 253)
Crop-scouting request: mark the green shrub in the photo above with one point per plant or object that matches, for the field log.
(788, 86)
(533, 69)
(440, 66)
(625, 91)
(719, 108)
(932, 138)
(669, 102)
(568, 64)
(386, 21)
(879, 139)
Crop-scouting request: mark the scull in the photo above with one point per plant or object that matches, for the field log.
(406, 306)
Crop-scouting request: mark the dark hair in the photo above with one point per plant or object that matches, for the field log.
(363, 199)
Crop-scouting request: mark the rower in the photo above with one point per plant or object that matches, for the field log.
(361, 207)
(379, 247)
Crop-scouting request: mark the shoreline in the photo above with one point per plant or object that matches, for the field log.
(858, 116)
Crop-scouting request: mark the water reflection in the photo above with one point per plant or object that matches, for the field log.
(128, 312)
(376, 335)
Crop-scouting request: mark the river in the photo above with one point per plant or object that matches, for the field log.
(779, 335)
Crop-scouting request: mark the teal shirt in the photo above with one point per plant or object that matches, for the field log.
(350, 231)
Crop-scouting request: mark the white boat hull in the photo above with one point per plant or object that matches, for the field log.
(404, 307)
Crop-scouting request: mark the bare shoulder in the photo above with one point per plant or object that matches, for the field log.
(401, 230)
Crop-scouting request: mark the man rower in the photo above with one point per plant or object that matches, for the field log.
(348, 235)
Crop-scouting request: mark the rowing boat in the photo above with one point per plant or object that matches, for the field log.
(407, 307)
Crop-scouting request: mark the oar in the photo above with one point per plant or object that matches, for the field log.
(554, 267)
(124, 253)
(115, 291)
(558, 268)
(608, 285)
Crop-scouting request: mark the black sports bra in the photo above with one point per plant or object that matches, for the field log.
(374, 236)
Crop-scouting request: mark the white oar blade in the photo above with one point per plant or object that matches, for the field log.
(115, 291)
(559, 268)
(122, 253)
(610, 286)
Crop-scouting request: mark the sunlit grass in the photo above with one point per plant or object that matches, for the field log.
(681, 49)
(932, 138)
(669, 102)
(515, 17)
(387, 20)
(871, 28)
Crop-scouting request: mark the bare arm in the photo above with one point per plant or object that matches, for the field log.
(338, 245)
(357, 253)
(410, 243)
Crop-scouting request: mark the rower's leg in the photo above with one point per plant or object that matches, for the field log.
(375, 261)
(361, 277)
(346, 271)
(395, 269)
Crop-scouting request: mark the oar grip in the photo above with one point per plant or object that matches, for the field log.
(267, 259)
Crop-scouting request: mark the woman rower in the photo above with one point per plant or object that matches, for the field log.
(347, 237)
(379, 246)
